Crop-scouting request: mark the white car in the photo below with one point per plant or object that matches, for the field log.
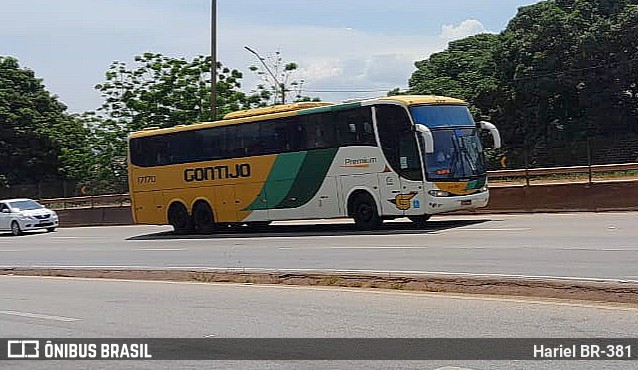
(19, 215)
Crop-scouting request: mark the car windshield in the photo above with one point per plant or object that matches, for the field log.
(458, 154)
(25, 205)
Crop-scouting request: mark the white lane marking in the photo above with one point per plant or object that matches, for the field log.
(503, 229)
(399, 247)
(79, 237)
(10, 250)
(160, 249)
(39, 316)
(371, 247)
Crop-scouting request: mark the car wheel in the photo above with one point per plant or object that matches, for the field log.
(15, 228)
(50, 229)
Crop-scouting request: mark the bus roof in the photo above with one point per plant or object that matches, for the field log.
(422, 99)
(288, 110)
(275, 109)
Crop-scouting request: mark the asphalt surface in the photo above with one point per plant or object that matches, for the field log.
(581, 245)
(76, 308)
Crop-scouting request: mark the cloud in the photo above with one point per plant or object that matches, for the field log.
(468, 27)
(335, 59)
(71, 43)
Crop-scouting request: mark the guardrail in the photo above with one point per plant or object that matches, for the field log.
(563, 170)
(530, 173)
(91, 201)
(122, 200)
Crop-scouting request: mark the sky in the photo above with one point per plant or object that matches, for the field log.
(345, 49)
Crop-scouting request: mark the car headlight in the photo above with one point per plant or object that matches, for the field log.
(438, 193)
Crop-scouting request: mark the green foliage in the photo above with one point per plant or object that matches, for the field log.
(562, 71)
(38, 140)
(163, 91)
(158, 91)
(466, 70)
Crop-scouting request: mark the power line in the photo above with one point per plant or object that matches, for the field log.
(348, 91)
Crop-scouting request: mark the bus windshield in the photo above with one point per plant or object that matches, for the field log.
(458, 154)
(435, 116)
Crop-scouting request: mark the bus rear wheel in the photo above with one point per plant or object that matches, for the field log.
(203, 219)
(365, 214)
(179, 219)
(420, 221)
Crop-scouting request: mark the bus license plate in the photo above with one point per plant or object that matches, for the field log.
(466, 202)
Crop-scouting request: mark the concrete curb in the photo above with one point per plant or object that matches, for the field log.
(598, 290)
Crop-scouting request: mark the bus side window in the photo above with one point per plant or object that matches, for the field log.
(319, 131)
(233, 142)
(211, 140)
(354, 127)
(161, 150)
(248, 134)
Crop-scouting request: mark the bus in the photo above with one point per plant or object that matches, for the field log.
(372, 160)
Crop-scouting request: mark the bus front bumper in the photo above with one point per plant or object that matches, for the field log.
(457, 203)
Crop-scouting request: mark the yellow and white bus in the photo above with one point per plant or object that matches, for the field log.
(400, 156)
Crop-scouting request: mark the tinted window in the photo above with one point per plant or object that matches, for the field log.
(442, 115)
(398, 141)
(354, 127)
(248, 143)
(319, 131)
(298, 133)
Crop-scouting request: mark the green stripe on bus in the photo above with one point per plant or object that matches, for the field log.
(330, 108)
(281, 178)
(310, 177)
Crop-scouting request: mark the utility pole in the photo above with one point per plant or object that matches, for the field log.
(277, 83)
(213, 54)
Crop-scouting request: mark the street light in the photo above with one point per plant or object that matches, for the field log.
(213, 55)
(277, 83)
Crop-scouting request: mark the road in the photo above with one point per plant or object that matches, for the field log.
(583, 245)
(57, 307)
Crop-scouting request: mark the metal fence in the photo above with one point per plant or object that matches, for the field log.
(594, 158)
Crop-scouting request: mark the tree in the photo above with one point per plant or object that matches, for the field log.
(38, 140)
(163, 91)
(466, 70)
(561, 73)
(278, 79)
(158, 91)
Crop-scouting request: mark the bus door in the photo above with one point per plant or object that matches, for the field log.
(401, 183)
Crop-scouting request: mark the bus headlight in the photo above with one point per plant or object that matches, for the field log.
(438, 193)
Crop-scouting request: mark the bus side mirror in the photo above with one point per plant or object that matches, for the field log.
(428, 139)
(494, 131)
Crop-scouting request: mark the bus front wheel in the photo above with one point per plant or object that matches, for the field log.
(179, 219)
(420, 221)
(203, 218)
(364, 212)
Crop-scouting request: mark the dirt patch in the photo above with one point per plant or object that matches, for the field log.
(585, 290)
